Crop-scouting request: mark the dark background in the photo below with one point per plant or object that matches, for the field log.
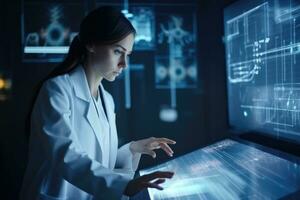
(202, 118)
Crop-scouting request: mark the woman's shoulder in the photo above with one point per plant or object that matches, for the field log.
(60, 83)
(60, 79)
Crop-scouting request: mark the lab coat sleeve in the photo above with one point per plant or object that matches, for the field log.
(126, 159)
(52, 125)
(127, 162)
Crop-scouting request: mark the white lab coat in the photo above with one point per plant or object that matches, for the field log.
(65, 150)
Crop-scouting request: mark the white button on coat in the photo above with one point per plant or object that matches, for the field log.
(68, 145)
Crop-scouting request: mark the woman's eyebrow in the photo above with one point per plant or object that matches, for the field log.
(122, 47)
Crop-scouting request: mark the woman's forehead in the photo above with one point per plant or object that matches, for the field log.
(126, 43)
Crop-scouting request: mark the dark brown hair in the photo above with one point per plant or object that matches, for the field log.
(104, 25)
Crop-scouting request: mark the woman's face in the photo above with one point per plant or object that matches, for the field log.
(110, 60)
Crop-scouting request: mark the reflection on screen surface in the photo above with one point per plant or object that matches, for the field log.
(228, 170)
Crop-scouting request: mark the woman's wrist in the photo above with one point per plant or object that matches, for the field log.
(132, 147)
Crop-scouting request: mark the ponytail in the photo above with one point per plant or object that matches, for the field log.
(75, 56)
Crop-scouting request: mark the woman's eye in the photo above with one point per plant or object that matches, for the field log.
(117, 52)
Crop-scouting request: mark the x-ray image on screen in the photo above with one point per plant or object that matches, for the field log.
(48, 29)
(183, 71)
(262, 53)
(176, 51)
(143, 20)
(227, 170)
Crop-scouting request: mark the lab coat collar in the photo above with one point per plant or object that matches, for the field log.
(82, 91)
(80, 83)
(81, 86)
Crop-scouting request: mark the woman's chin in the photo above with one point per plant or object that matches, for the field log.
(111, 79)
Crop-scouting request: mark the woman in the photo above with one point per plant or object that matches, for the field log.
(73, 150)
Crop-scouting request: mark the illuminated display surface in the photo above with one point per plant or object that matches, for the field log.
(263, 77)
(228, 170)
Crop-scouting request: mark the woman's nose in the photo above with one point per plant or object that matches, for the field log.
(123, 62)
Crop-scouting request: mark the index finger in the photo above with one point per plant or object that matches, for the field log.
(166, 140)
(158, 174)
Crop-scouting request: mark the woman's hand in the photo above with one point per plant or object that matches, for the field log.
(136, 185)
(146, 146)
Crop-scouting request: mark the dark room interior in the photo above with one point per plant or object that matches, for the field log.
(207, 108)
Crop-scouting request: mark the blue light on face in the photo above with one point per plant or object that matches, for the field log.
(227, 170)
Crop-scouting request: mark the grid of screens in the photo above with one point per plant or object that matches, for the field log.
(228, 170)
(263, 78)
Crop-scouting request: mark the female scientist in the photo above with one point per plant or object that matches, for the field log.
(73, 147)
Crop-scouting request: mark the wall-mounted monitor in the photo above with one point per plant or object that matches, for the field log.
(48, 29)
(262, 39)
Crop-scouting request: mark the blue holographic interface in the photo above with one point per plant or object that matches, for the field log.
(228, 170)
(262, 43)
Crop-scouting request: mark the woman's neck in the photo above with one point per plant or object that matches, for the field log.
(93, 78)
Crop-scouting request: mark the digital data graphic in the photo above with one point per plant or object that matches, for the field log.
(263, 76)
(227, 170)
(48, 29)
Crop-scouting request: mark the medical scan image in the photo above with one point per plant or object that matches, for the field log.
(48, 35)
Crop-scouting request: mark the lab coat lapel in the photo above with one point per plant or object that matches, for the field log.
(112, 126)
(82, 91)
(94, 121)
(106, 103)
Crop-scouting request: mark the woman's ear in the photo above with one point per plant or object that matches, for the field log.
(90, 48)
